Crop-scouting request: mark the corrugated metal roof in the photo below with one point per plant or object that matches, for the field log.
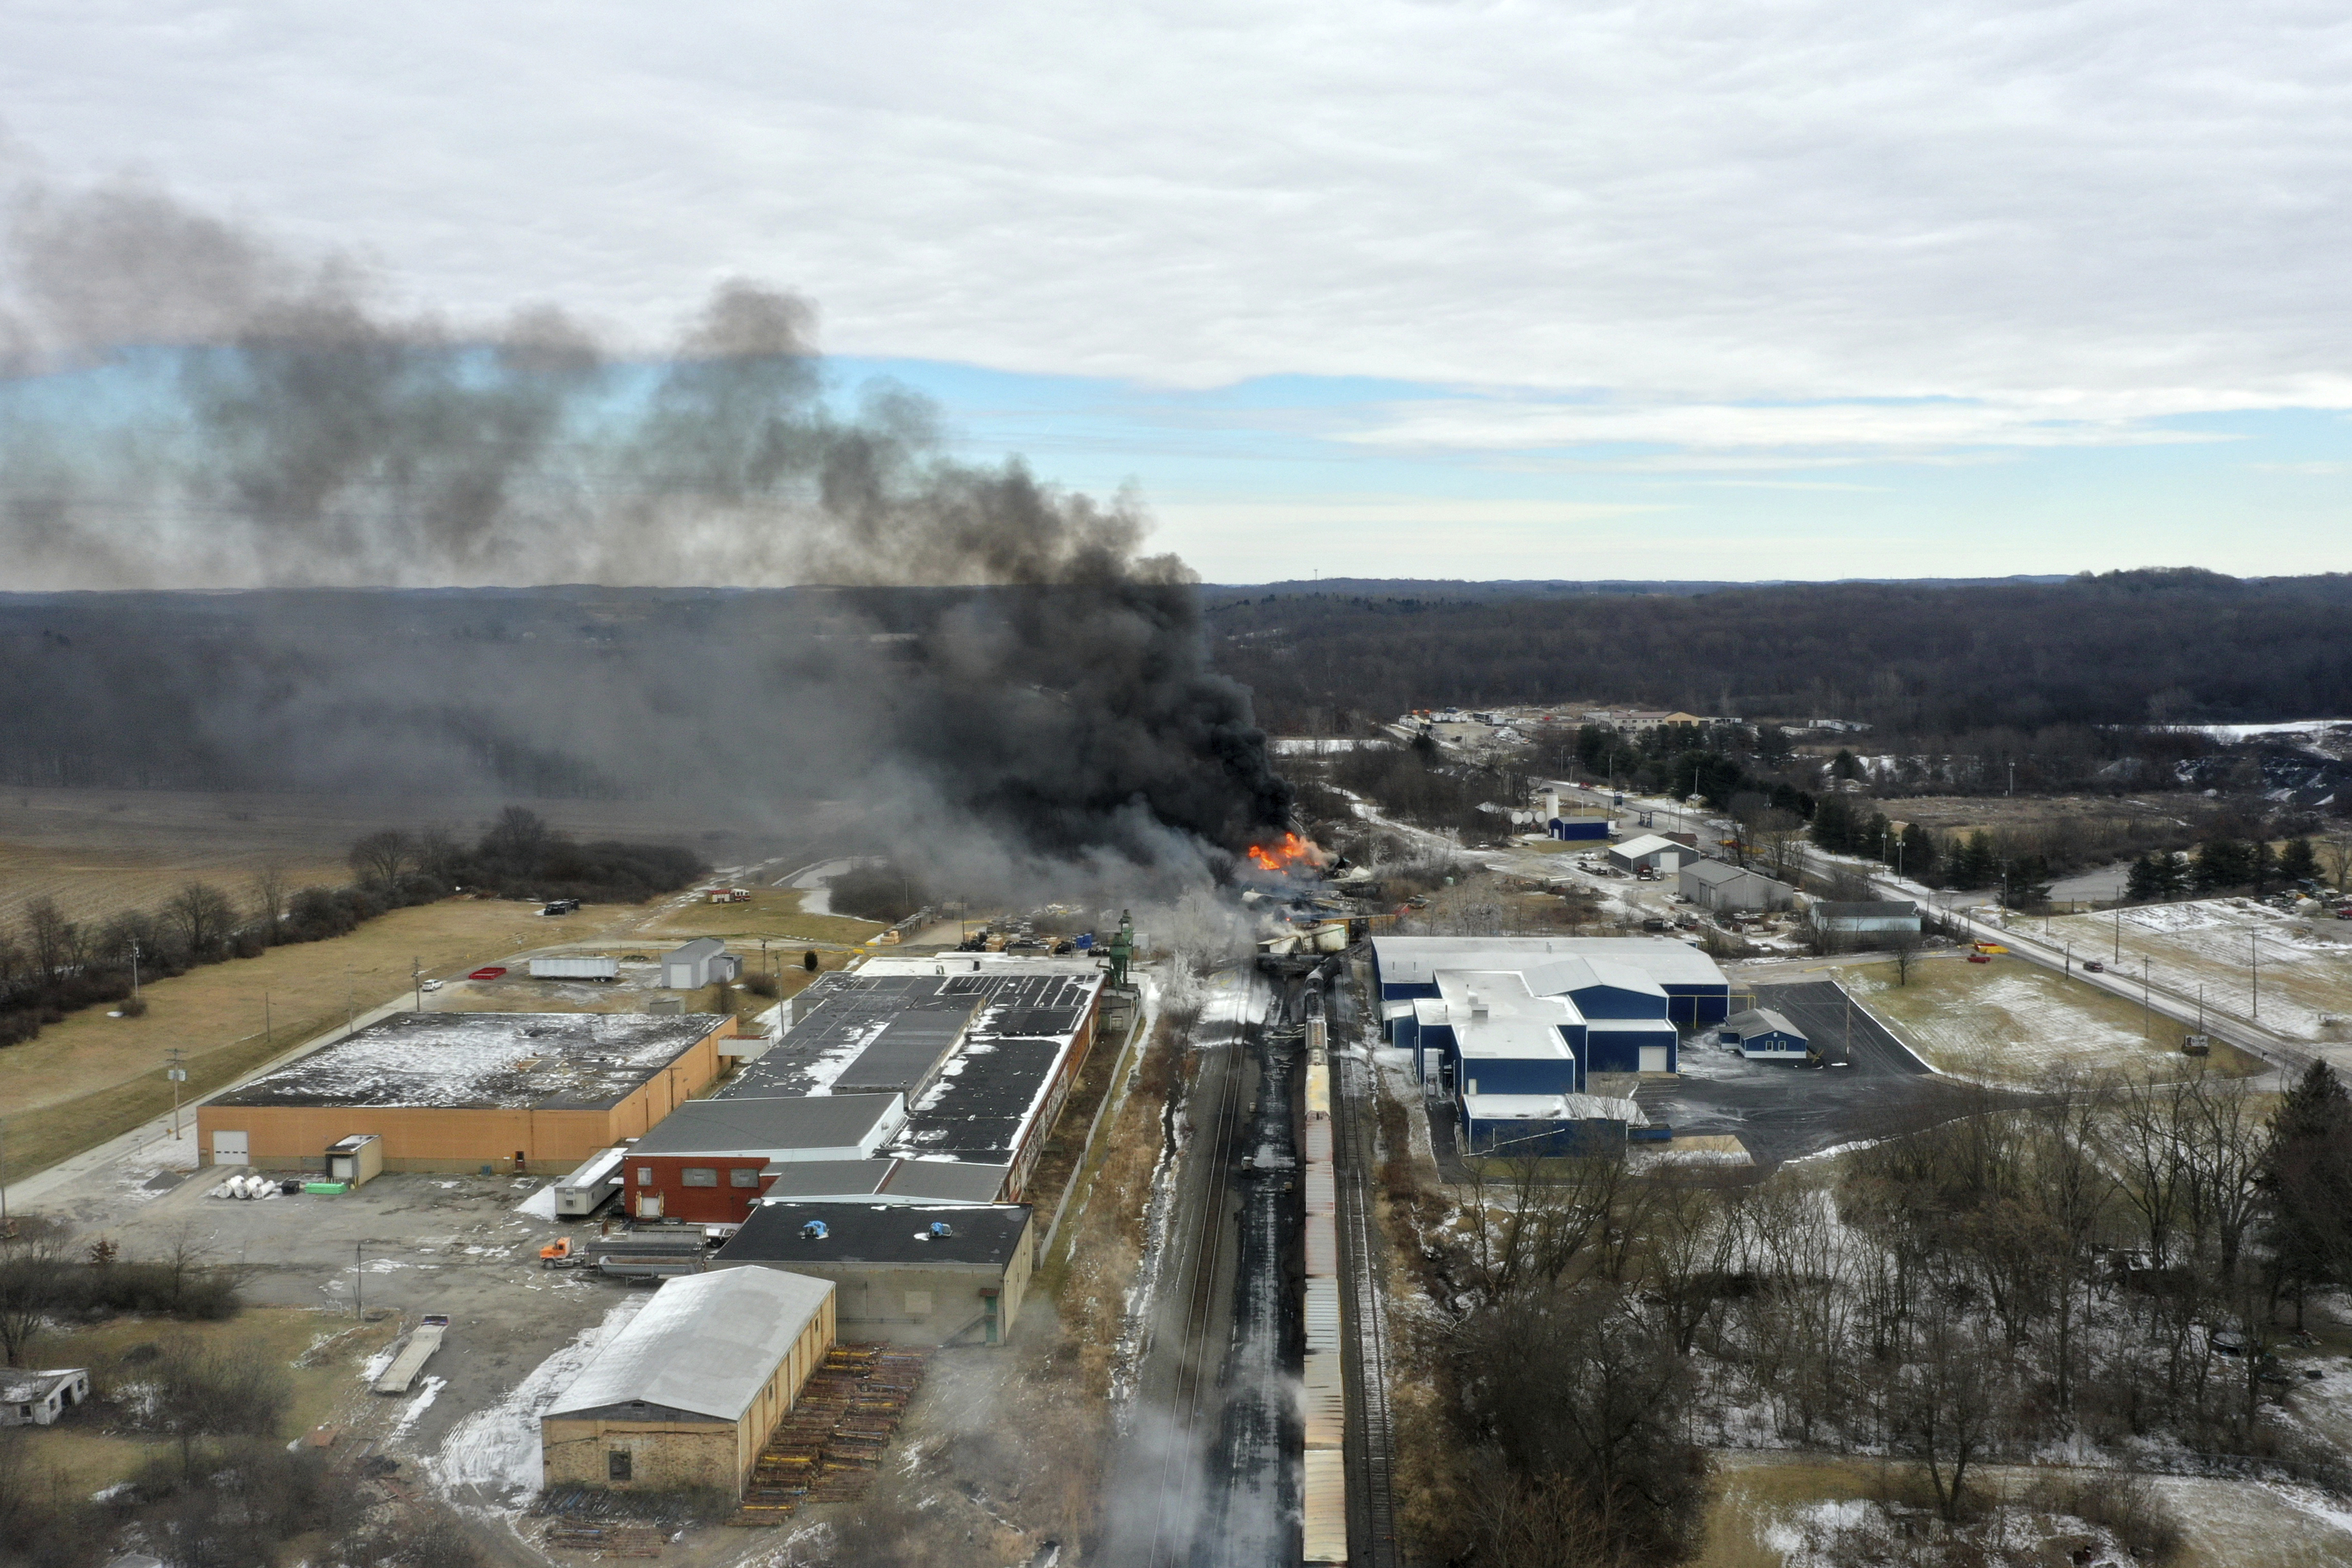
(1414, 959)
(775, 1126)
(1323, 1329)
(705, 1345)
(1323, 1497)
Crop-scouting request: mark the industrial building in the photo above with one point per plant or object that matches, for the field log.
(1508, 1031)
(1696, 990)
(461, 1091)
(1723, 888)
(1873, 919)
(683, 1398)
(1762, 1034)
(703, 961)
(984, 1053)
(908, 1275)
(709, 1160)
(1651, 852)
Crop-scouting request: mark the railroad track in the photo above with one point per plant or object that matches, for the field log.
(1371, 1458)
(1196, 1367)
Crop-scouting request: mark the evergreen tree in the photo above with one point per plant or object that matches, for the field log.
(1844, 766)
(1835, 825)
(2262, 867)
(2148, 879)
(2308, 1184)
(2223, 862)
(2029, 882)
(1918, 858)
(2296, 863)
(1973, 863)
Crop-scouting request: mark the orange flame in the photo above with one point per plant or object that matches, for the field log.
(1284, 853)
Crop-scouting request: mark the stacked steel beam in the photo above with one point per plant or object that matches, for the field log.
(830, 1445)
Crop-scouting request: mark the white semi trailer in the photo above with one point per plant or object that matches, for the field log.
(575, 968)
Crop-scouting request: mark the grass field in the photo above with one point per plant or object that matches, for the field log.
(2010, 1020)
(323, 1369)
(91, 885)
(90, 1078)
(773, 913)
(2305, 965)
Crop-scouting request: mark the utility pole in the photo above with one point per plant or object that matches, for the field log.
(416, 981)
(351, 1002)
(134, 969)
(356, 1274)
(2147, 1008)
(2255, 962)
(268, 1038)
(177, 1072)
(2119, 932)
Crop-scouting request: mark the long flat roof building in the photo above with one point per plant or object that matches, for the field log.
(458, 1091)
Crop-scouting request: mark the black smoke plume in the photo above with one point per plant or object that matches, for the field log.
(796, 603)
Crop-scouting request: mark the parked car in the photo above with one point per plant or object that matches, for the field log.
(488, 972)
(432, 985)
(2093, 966)
(1981, 958)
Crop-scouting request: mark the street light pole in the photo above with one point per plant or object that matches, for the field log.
(2255, 960)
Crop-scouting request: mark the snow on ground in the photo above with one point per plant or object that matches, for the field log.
(815, 885)
(495, 1452)
(540, 1205)
(2013, 1023)
(415, 1408)
(2234, 1521)
(2305, 965)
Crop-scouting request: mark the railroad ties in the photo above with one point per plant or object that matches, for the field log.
(827, 1449)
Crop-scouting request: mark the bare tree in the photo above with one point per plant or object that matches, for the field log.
(202, 915)
(1904, 947)
(29, 1270)
(1946, 1405)
(1531, 1219)
(216, 1392)
(54, 944)
(383, 857)
(271, 890)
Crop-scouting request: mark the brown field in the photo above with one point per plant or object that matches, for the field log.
(1967, 813)
(773, 913)
(96, 852)
(92, 1077)
(92, 1457)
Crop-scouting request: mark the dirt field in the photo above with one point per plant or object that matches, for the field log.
(2009, 1021)
(2305, 965)
(321, 1352)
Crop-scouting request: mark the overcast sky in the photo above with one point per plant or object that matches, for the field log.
(1735, 290)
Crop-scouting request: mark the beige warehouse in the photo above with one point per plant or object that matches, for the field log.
(683, 1398)
(911, 1274)
(454, 1091)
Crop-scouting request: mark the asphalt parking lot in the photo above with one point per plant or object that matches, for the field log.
(1785, 1110)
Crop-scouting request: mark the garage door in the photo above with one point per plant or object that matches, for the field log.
(228, 1149)
(1654, 1058)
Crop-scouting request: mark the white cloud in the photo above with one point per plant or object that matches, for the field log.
(2122, 202)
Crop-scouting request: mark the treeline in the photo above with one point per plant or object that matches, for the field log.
(2100, 1268)
(2128, 647)
(50, 965)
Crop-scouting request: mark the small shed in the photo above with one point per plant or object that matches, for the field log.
(703, 961)
(684, 1397)
(1761, 1033)
(357, 1159)
(1650, 852)
(38, 1398)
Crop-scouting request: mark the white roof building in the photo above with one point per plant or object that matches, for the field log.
(705, 1345)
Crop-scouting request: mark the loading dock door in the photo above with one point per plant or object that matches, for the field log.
(228, 1149)
(1654, 1058)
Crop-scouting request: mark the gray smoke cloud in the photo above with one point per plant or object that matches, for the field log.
(991, 661)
